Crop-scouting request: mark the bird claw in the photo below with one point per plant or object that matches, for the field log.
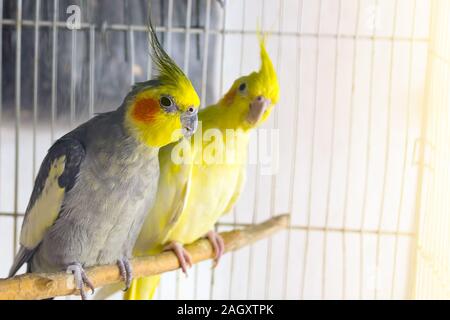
(126, 272)
(184, 258)
(218, 245)
(81, 279)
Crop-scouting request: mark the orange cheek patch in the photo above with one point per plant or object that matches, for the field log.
(229, 97)
(145, 110)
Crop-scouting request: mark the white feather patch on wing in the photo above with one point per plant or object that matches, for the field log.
(45, 209)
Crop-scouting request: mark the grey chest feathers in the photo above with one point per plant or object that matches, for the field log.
(102, 214)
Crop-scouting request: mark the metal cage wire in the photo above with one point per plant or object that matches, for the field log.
(432, 265)
(354, 76)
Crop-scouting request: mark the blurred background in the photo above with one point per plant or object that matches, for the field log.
(363, 123)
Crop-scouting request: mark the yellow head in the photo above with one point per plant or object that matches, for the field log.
(251, 98)
(162, 110)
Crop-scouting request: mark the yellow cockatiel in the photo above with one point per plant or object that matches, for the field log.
(201, 179)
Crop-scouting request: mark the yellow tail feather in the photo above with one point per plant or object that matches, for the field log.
(142, 288)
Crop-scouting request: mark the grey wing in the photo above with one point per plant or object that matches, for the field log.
(57, 175)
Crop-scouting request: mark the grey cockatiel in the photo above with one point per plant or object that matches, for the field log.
(97, 183)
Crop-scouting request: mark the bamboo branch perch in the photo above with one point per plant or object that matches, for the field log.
(42, 286)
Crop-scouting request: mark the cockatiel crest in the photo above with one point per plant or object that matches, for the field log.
(168, 101)
(253, 96)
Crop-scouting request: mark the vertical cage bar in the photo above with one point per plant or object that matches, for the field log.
(349, 149)
(387, 149)
(311, 160)
(54, 69)
(17, 122)
(368, 147)
(205, 51)
(432, 205)
(73, 76)
(149, 58)
(91, 70)
(35, 84)
(169, 27)
(331, 158)
(274, 182)
(444, 246)
(420, 191)
(440, 163)
(296, 131)
(256, 196)
(241, 62)
(169, 51)
(187, 37)
(221, 86)
(132, 55)
(204, 76)
(427, 280)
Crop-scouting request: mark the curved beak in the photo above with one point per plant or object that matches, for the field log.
(189, 122)
(257, 108)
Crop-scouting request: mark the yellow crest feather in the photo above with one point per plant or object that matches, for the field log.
(267, 71)
(168, 73)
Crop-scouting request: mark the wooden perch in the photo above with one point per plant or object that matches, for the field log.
(42, 286)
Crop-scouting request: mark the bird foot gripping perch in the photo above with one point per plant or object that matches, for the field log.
(184, 257)
(218, 245)
(37, 286)
(81, 279)
(182, 254)
(125, 271)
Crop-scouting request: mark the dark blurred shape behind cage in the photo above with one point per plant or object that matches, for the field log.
(117, 31)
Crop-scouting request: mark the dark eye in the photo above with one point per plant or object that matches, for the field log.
(191, 110)
(242, 87)
(166, 102)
